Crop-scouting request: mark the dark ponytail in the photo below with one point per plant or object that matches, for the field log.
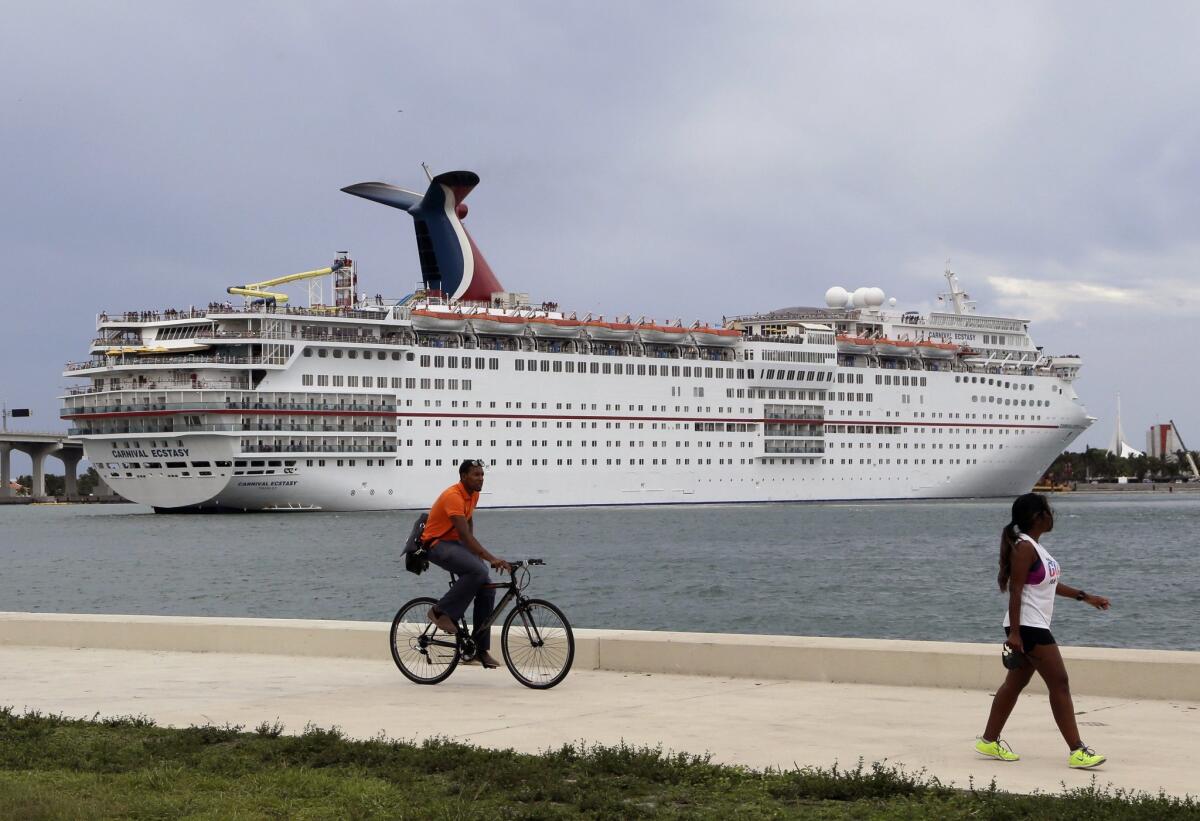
(1024, 510)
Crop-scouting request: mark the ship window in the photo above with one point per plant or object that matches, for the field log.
(308, 351)
(425, 360)
(353, 354)
(257, 463)
(176, 465)
(322, 353)
(494, 363)
(545, 365)
(198, 464)
(519, 364)
(240, 464)
(337, 353)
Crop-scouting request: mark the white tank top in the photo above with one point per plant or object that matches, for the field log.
(1037, 596)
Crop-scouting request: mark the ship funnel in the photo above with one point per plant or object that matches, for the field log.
(450, 262)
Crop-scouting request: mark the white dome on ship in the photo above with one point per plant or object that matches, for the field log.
(892, 302)
(836, 297)
(860, 297)
(875, 297)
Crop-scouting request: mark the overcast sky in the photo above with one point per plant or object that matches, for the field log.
(674, 160)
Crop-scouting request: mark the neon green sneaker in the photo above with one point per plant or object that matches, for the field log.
(1085, 758)
(998, 750)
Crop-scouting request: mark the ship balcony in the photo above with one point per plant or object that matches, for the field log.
(122, 427)
(188, 407)
(793, 429)
(218, 310)
(792, 447)
(159, 362)
(315, 447)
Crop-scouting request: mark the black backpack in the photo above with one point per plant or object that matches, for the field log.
(416, 555)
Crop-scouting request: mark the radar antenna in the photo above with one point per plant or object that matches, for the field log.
(957, 297)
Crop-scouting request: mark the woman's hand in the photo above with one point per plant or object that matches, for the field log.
(1014, 642)
(1098, 602)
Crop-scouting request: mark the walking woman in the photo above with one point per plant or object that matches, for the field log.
(1030, 575)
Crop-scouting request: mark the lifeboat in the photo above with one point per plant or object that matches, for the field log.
(937, 350)
(498, 324)
(895, 347)
(424, 320)
(665, 334)
(545, 326)
(609, 331)
(854, 344)
(725, 337)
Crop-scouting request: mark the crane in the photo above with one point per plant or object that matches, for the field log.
(258, 289)
(1187, 453)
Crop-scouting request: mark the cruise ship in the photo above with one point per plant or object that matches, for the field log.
(357, 402)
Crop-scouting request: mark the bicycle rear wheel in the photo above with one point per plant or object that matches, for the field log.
(424, 654)
(538, 644)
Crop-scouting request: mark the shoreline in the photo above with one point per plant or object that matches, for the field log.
(1106, 672)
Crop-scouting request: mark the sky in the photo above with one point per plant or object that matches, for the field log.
(669, 159)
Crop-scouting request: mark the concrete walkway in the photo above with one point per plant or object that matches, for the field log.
(759, 723)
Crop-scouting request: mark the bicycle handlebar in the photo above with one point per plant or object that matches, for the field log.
(527, 563)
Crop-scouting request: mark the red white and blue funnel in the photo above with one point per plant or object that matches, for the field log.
(450, 262)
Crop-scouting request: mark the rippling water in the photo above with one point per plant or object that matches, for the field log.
(911, 570)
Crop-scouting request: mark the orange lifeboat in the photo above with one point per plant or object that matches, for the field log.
(444, 321)
(724, 337)
(937, 350)
(854, 344)
(895, 347)
(609, 331)
(498, 324)
(666, 334)
(546, 326)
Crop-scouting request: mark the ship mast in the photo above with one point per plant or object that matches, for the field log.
(957, 297)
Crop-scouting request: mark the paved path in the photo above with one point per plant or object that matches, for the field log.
(757, 723)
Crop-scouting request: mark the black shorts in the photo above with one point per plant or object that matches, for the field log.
(1033, 636)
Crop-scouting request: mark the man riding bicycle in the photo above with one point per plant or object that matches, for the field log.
(450, 536)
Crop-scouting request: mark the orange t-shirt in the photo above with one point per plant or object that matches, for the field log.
(454, 501)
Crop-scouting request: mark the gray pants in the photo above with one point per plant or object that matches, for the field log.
(473, 574)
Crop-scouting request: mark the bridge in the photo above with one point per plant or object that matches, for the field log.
(39, 446)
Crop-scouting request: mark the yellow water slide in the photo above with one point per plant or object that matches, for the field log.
(256, 289)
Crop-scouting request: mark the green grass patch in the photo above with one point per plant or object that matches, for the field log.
(53, 767)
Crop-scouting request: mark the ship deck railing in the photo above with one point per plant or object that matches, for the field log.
(159, 359)
(319, 449)
(217, 310)
(112, 430)
(282, 407)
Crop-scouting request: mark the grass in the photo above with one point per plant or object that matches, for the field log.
(53, 767)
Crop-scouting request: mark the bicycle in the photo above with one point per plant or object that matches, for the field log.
(538, 653)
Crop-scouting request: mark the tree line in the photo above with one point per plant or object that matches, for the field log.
(1102, 465)
(56, 485)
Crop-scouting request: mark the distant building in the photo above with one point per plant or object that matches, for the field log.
(1117, 445)
(1162, 442)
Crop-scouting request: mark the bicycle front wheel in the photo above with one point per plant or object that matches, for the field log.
(538, 644)
(424, 654)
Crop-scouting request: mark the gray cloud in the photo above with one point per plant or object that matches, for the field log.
(687, 160)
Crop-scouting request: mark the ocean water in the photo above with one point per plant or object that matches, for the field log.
(908, 570)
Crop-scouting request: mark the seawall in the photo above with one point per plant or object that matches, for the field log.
(1130, 674)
